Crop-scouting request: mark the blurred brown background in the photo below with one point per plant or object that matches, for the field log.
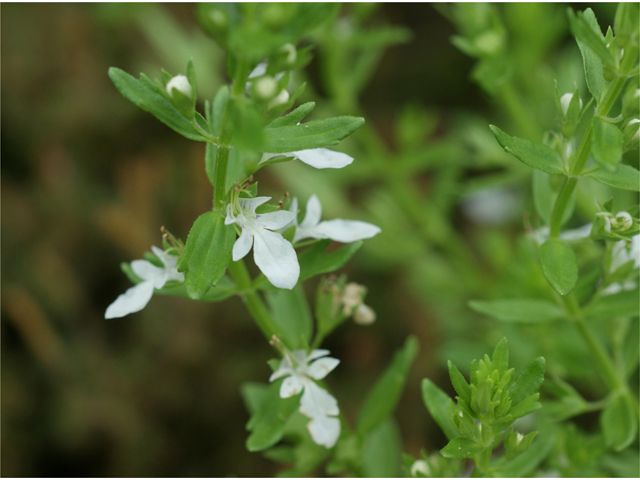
(87, 181)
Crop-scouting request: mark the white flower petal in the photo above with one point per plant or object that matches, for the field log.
(321, 368)
(283, 369)
(260, 70)
(345, 231)
(291, 386)
(148, 271)
(319, 352)
(577, 233)
(276, 258)
(313, 213)
(275, 220)
(317, 401)
(251, 204)
(242, 245)
(323, 158)
(324, 430)
(131, 301)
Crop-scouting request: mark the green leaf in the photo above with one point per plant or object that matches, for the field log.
(624, 178)
(544, 197)
(253, 394)
(462, 448)
(586, 30)
(150, 98)
(607, 144)
(459, 383)
(206, 254)
(267, 424)
(619, 422)
(534, 154)
(528, 382)
(245, 125)
(500, 356)
(593, 69)
(319, 133)
(623, 304)
(385, 394)
(382, 450)
(439, 405)
(559, 265)
(525, 407)
(293, 117)
(290, 311)
(521, 310)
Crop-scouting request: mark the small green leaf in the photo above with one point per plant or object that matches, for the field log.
(500, 356)
(150, 98)
(535, 155)
(439, 405)
(459, 383)
(267, 424)
(607, 144)
(293, 117)
(589, 36)
(624, 178)
(319, 133)
(221, 291)
(525, 463)
(522, 310)
(593, 69)
(525, 407)
(528, 382)
(385, 394)
(619, 422)
(462, 448)
(382, 450)
(290, 311)
(544, 197)
(559, 265)
(207, 253)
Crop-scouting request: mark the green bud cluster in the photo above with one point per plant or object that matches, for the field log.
(489, 404)
(615, 226)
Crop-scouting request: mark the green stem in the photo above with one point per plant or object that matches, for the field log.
(561, 204)
(253, 302)
(603, 361)
(220, 178)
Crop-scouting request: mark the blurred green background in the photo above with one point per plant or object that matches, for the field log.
(87, 181)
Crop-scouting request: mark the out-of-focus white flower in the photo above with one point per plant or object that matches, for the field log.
(420, 466)
(180, 83)
(492, 206)
(137, 297)
(622, 252)
(352, 297)
(541, 235)
(316, 403)
(315, 157)
(344, 231)
(274, 256)
(280, 99)
(364, 315)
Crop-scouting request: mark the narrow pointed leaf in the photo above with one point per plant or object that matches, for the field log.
(559, 265)
(521, 310)
(619, 422)
(534, 154)
(319, 133)
(528, 381)
(439, 405)
(624, 178)
(462, 448)
(607, 144)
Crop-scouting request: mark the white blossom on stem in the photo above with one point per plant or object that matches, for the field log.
(316, 403)
(274, 256)
(153, 277)
(343, 231)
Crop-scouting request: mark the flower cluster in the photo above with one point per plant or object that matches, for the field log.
(316, 403)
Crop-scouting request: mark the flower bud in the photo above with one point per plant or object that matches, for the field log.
(364, 315)
(420, 466)
(289, 52)
(565, 100)
(281, 99)
(632, 132)
(264, 88)
(181, 84)
(352, 297)
(631, 102)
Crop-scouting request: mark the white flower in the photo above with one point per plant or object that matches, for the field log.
(364, 315)
(316, 403)
(343, 231)
(137, 297)
(617, 288)
(622, 252)
(274, 256)
(180, 83)
(541, 235)
(622, 221)
(280, 99)
(316, 157)
(492, 206)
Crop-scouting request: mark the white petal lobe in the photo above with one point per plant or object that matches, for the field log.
(275, 220)
(276, 258)
(324, 431)
(346, 231)
(131, 301)
(322, 367)
(242, 245)
(313, 214)
(323, 158)
(317, 401)
(291, 386)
